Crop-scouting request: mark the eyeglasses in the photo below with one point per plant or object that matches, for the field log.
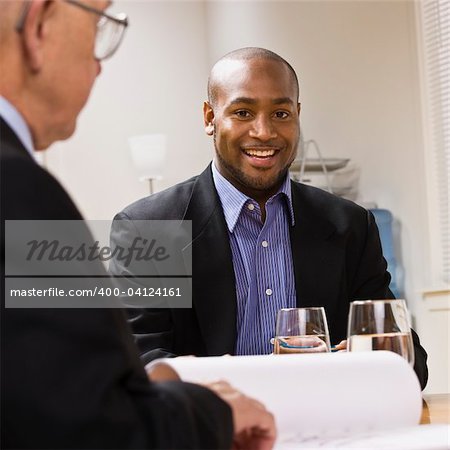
(110, 29)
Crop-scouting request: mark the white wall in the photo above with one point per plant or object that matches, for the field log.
(360, 97)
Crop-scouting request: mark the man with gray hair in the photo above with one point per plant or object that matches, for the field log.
(71, 378)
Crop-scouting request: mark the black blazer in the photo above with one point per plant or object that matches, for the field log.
(73, 378)
(336, 253)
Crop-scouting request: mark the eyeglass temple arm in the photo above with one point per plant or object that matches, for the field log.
(121, 21)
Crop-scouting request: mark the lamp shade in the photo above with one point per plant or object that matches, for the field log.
(148, 153)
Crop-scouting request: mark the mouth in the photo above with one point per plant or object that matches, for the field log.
(260, 152)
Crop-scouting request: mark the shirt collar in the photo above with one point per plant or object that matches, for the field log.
(17, 123)
(233, 200)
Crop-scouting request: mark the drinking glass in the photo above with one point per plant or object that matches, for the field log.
(380, 325)
(301, 330)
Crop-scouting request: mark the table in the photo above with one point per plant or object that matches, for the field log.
(436, 409)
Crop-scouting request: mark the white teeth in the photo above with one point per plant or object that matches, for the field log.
(260, 153)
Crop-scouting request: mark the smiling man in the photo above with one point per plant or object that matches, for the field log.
(260, 241)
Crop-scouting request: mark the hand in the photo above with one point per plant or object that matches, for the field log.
(161, 372)
(254, 426)
(341, 347)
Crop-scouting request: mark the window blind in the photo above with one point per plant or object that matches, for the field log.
(435, 18)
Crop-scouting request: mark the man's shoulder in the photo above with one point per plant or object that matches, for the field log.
(169, 204)
(323, 204)
(17, 164)
(322, 197)
(29, 191)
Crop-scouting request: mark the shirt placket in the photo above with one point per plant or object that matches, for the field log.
(268, 285)
(249, 333)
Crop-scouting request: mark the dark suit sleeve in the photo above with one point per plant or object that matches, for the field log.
(72, 378)
(152, 327)
(372, 282)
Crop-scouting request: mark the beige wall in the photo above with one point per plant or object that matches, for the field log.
(357, 63)
(154, 84)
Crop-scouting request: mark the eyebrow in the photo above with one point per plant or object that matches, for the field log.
(252, 101)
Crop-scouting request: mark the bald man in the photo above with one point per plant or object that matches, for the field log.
(261, 242)
(72, 378)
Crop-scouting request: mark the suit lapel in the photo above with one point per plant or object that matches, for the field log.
(318, 259)
(214, 292)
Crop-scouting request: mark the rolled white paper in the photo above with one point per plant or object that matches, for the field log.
(322, 394)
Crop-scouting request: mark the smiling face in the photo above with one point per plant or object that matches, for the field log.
(254, 119)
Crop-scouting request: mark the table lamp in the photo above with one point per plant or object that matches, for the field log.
(148, 153)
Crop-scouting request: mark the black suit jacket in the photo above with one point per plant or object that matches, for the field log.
(336, 255)
(73, 378)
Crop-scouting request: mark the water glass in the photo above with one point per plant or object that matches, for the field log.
(380, 325)
(301, 330)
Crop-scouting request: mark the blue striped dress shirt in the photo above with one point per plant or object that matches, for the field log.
(262, 261)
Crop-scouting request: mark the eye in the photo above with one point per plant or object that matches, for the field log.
(242, 114)
(281, 115)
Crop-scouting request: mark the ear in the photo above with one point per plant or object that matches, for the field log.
(299, 108)
(208, 118)
(34, 32)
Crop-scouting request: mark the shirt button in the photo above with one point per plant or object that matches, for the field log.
(251, 206)
(269, 291)
(264, 244)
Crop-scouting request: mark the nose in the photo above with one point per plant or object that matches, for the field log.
(263, 129)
